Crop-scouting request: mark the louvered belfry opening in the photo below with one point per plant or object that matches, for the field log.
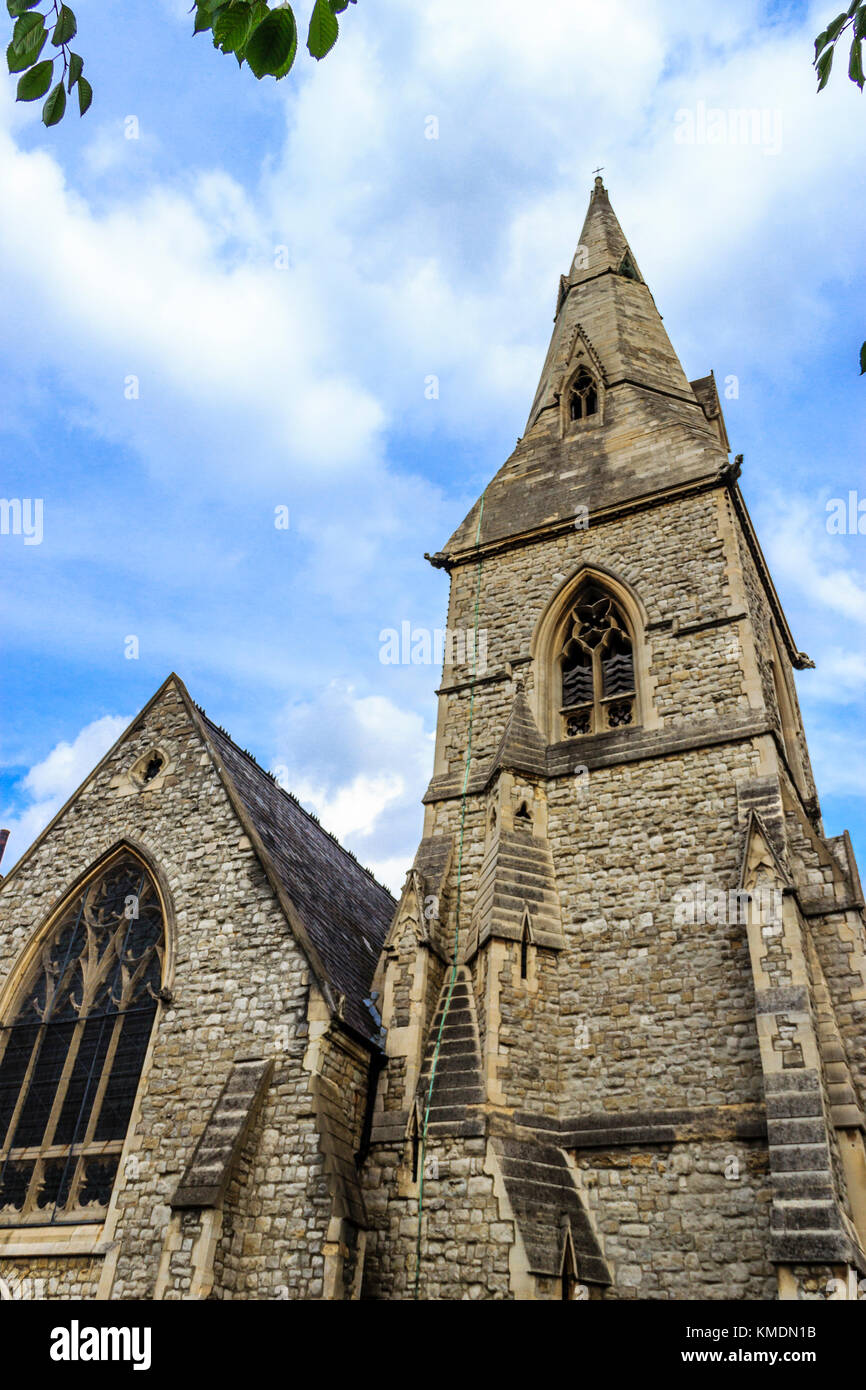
(598, 687)
(583, 397)
(72, 1051)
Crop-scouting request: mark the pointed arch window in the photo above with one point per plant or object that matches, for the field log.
(416, 1140)
(596, 666)
(568, 1275)
(583, 396)
(72, 1050)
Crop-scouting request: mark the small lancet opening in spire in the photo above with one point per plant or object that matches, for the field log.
(568, 1275)
(628, 268)
(416, 1125)
(525, 943)
(583, 397)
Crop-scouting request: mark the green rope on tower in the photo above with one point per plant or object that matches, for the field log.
(453, 980)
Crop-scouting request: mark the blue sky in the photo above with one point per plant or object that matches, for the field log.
(282, 267)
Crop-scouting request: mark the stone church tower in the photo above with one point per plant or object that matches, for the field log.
(624, 988)
(610, 1044)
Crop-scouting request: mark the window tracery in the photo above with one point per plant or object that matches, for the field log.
(72, 1052)
(583, 396)
(597, 666)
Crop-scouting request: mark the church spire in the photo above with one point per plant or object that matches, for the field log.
(602, 245)
(604, 300)
(614, 417)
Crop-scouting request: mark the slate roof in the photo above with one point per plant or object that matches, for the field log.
(341, 908)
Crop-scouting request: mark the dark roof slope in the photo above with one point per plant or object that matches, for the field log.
(342, 908)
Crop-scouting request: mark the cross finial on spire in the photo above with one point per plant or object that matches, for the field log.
(599, 169)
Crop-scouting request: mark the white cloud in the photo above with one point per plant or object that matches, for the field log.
(406, 257)
(175, 283)
(180, 290)
(823, 569)
(353, 809)
(50, 783)
(361, 763)
(840, 677)
(839, 760)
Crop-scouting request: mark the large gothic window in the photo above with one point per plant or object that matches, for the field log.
(72, 1051)
(597, 666)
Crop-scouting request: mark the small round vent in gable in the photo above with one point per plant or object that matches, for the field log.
(150, 768)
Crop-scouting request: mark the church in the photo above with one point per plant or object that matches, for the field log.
(611, 1041)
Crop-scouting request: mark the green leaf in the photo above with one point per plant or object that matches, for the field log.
(863, 359)
(25, 35)
(207, 13)
(820, 43)
(85, 95)
(287, 65)
(258, 10)
(35, 83)
(338, 6)
(17, 62)
(231, 30)
(323, 30)
(271, 44)
(66, 27)
(824, 64)
(860, 23)
(16, 7)
(835, 29)
(855, 64)
(53, 110)
(75, 65)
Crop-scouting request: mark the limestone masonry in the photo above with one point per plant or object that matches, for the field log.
(610, 1043)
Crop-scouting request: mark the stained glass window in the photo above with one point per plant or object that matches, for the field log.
(72, 1052)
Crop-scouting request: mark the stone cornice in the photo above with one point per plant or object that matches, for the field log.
(609, 1129)
(615, 749)
(549, 531)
